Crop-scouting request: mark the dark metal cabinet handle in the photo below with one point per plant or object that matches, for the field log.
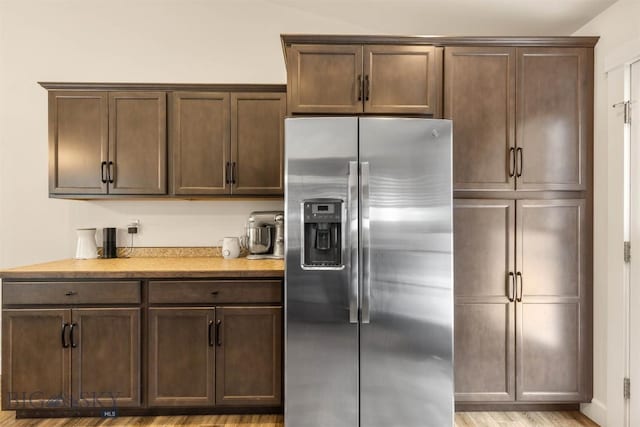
(359, 87)
(511, 286)
(70, 293)
(519, 154)
(512, 162)
(218, 337)
(71, 338)
(227, 173)
(112, 172)
(233, 172)
(65, 343)
(366, 87)
(103, 172)
(215, 293)
(519, 287)
(209, 333)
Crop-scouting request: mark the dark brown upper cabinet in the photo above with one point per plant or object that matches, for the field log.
(137, 143)
(228, 143)
(521, 116)
(554, 117)
(257, 143)
(78, 142)
(379, 79)
(107, 143)
(200, 142)
(479, 96)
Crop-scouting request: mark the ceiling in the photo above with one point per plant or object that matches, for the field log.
(459, 17)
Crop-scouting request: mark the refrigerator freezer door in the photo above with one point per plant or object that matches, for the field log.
(406, 337)
(321, 353)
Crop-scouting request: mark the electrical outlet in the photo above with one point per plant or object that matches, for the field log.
(133, 227)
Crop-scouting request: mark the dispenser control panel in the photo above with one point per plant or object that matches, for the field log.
(322, 233)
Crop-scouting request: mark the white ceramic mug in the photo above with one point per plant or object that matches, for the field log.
(230, 247)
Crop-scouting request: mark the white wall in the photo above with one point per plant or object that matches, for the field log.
(616, 26)
(122, 41)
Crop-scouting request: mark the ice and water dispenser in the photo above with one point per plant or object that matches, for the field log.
(322, 234)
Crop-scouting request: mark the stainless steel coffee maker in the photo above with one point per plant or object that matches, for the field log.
(265, 235)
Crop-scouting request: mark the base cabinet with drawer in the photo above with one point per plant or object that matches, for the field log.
(222, 349)
(63, 357)
(78, 347)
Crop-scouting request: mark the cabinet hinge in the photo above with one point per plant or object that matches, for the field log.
(627, 110)
(627, 388)
(627, 251)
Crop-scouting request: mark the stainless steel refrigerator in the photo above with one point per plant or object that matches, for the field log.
(369, 272)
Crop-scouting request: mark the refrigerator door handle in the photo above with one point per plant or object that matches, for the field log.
(366, 243)
(352, 221)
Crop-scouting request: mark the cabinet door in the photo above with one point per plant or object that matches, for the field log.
(552, 320)
(138, 143)
(200, 142)
(257, 143)
(36, 363)
(554, 118)
(484, 232)
(249, 356)
(400, 79)
(106, 357)
(479, 97)
(77, 142)
(324, 78)
(181, 356)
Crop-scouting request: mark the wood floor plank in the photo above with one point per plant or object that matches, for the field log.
(463, 419)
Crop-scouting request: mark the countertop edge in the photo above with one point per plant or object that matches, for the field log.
(141, 275)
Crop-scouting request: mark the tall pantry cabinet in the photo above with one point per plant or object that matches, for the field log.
(522, 140)
(522, 112)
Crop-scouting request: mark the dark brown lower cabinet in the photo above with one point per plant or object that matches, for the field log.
(36, 367)
(62, 358)
(249, 356)
(202, 357)
(105, 361)
(181, 356)
(553, 304)
(522, 301)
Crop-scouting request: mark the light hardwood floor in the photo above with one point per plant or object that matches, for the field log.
(463, 419)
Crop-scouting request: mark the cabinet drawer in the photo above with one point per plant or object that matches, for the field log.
(71, 292)
(215, 291)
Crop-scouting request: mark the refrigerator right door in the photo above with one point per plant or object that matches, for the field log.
(406, 332)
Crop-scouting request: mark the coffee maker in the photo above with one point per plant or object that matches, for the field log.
(265, 235)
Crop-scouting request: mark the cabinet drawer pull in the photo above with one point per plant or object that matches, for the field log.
(103, 172)
(65, 343)
(209, 333)
(233, 172)
(519, 287)
(366, 87)
(511, 286)
(218, 337)
(112, 172)
(519, 154)
(227, 173)
(71, 338)
(215, 293)
(70, 293)
(359, 87)
(512, 162)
